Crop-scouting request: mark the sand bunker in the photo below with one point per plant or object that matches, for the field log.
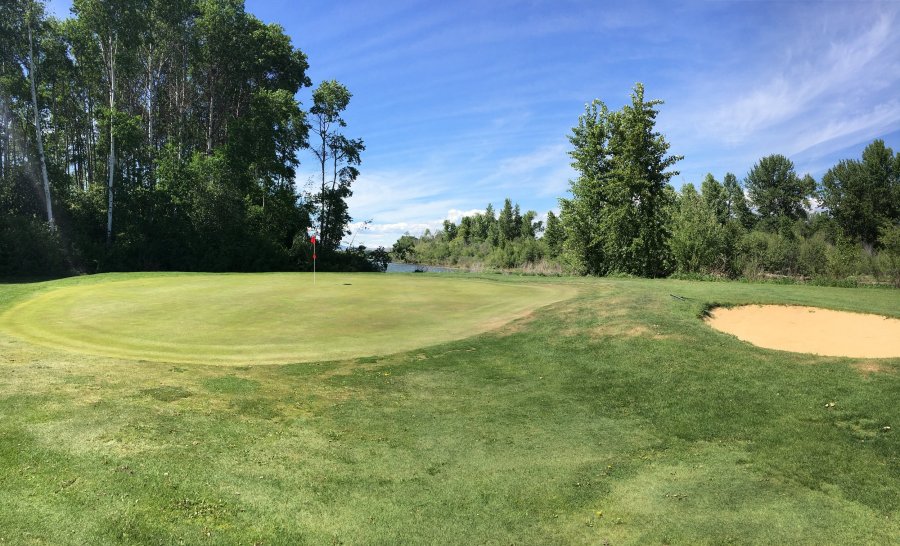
(811, 330)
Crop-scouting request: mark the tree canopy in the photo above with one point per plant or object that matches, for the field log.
(864, 195)
(171, 134)
(776, 190)
(617, 218)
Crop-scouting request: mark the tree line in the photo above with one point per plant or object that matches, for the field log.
(625, 217)
(164, 134)
(505, 240)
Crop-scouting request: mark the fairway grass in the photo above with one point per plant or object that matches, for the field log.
(269, 318)
(612, 415)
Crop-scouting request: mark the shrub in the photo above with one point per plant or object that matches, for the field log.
(844, 259)
(43, 254)
(813, 256)
(888, 259)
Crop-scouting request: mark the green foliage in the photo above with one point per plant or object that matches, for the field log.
(890, 256)
(43, 256)
(862, 195)
(195, 99)
(507, 224)
(403, 248)
(554, 235)
(843, 259)
(716, 198)
(698, 239)
(336, 152)
(617, 219)
(762, 252)
(481, 240)
(776, 190)
(738, 209)
(355, 259)
(814, 254)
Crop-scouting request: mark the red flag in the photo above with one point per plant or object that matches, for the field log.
(314, 256)
(313, 239)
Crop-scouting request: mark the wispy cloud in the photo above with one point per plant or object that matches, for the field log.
(799, 80)
(825, 77)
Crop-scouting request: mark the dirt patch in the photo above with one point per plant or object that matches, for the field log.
(811, 330)
(871, 366)
(517, 326)
(626, 330)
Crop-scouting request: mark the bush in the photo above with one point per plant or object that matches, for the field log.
(888, 259)
(814, 256)
(768, 252)
(698, 241)
(844, 259)
(29, 249)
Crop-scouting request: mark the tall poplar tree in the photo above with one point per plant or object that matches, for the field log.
(34, 17)
(618, 217)
(332, 149)
(115, 28)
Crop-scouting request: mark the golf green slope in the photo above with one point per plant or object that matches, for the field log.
(272, 318)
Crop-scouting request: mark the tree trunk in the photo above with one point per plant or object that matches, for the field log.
(150, 99)
(91, 148)
(111, 166)
(4, 130)
(209, 127)
(37, 130)
(323, 131)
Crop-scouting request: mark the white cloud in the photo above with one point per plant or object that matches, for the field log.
(384, 234)
(456, 215)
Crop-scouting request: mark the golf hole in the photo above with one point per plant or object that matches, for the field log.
(810, 330)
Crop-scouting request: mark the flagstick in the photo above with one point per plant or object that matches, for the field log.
(313, 235)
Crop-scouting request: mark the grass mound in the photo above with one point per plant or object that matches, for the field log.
(272, 318)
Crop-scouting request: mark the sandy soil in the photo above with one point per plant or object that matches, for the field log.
(811, 330)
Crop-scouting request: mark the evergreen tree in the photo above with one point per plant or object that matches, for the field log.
(528, 227)
(554, 235)
(506, 222)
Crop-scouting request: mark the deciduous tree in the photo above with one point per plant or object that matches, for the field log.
(617, 219)
(333, 149)
(776, 191)
(862, 196)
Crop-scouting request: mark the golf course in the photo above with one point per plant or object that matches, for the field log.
(174, 408)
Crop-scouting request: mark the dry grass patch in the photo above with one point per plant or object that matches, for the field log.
(869, 367)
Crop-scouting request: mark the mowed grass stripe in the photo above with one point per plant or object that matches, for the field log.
(271, 318)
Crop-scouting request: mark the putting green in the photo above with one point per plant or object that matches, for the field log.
(270, 318)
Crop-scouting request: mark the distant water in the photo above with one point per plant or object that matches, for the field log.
(410, 268)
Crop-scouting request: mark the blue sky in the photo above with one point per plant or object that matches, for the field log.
(465, 103)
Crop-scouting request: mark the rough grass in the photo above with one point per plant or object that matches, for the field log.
(614, 416)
